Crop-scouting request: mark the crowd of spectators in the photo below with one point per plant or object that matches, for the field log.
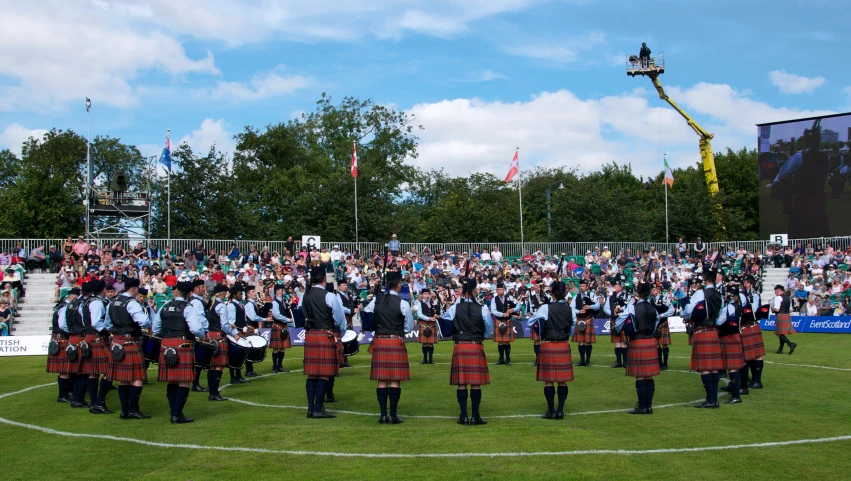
(819, 281)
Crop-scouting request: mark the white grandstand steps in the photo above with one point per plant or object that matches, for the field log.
(772, 276)
(36, 309)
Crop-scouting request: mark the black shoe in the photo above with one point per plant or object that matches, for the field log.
(199, 388)
(581, 364)
(83, 404)
(664, 367)
(617, 364)
(136, 415)
(96, 409)
(282, 370)
(779, 351)
(122, 416)
(755, 385)
(744, 390)
(733, 400)
(383, 420)
(243, 381)
(725, 388)
(792, 348)
(548, 415)
(146, 383)
(477, 420)
(463, 420)
(559, 415)
(275, 370)
(217, 397)
(707, 405)
(323, 415)
(251, 374)
(180, 420)
(346, 363)
(330, 399)
(507, 363)
(431, 361)
(309, 414)
(62, 400)
(395, 420)
(640, 411)
(106, 409)
(424, 362)
(501, 361)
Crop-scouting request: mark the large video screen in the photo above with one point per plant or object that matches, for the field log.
(805, 177)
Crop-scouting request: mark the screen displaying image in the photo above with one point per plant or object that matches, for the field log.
(805, 177)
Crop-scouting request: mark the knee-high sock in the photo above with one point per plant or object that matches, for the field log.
(625, 355)
(537, 349)
(785, 339)
(501, 350)
(321, 389)
(80, 383)
(650, 388)
(782, 341)
(659, 353)
(330, 392)
(713, 387)
(249, 367)
(135, 393)
(582, 353)
(425, 354)
(475, 400)
(310, 387)
(665, 352)
(707, 380)
(92, 386)
(508, 352)
(281, 356)
(395, 394)
(735, 386)
(124, 398)
(758, 371)
(462, 401)
(562, 397)
(431, 354)
(618, 355)
(588, 349)
(212, 385)
(182, 396)
(171, 394)
(63, 386)
(550, 394)
(639, 391)
(232, 373)
(743, 376)
(218, 382)
(382, 393)
(197, 378)
(103, 390)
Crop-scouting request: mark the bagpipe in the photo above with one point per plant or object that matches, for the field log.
(540, 324)
(444, 326)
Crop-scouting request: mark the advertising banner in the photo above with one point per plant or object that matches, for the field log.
(24, 345)
(818, 324)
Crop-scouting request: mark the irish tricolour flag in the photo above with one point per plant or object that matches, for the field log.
(669, 174)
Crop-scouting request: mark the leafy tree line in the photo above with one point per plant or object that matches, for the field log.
(294, 177)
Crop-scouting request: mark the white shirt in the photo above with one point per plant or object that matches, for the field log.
(496, 256)
(486, 256)
(336, 255)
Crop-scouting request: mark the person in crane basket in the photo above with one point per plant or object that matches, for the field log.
(644, 55)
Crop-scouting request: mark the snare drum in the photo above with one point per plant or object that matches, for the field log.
(351, 346)
(151, 348)
(204, 353)
(257, 353)
(237, 351)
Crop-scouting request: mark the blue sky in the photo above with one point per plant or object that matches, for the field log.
(482, 77)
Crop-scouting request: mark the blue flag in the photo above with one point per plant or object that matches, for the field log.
(165, 157)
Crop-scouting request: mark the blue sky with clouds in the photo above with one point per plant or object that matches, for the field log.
(481, 76)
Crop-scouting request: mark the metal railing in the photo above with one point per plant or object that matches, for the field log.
(508, 249)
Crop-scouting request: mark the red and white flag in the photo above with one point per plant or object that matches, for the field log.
(515, 167)
(354, 160)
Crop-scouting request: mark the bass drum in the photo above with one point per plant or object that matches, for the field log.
(237, 352)
(257, 353)
(204, 353)
(151, 348)
(351, 346)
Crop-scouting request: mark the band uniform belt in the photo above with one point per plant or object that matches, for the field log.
(703, 329)
(388, 336)
(468, 342)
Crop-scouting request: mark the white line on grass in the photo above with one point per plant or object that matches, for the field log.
(421, 455)
(808, 365)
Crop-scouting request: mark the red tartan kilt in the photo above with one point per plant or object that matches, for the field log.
(752, 343)
(432, 339)
(732, 353)
(58, 364)
(389, 360)
(98, 363)
(469, 366)
(617, 337)
(665, 340)
(185, 369)
(275, 341)
(705, 352)
(509, 332)
(643, 358)
(590, 334)
(533, 335)
(220, 359)
(320, 354)
(555, 363)
(783, 325)
(132, 367)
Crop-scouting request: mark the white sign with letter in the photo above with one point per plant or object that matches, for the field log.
(310, 241)
(782, 239)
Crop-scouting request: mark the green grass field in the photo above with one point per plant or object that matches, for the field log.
(803, 399)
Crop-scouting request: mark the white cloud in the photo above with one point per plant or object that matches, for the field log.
(261, 86)
(561, 51)
(561, 129)
(212, 132)
(15, 135)
(53, 53)
(789, 83)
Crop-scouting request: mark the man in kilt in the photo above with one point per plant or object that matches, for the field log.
(126, 360)
(57, 359)
(554, 323)
(471, 324)
(752, 343)
(533, 303)
(640, 320)
(427, 317)
(254, 321)
(220, 328)
(323, 314)
(279, 338)
(706, 311)
(199, 290)
(77, 330)
(502, 308)
(393, 318)
(178, 325)
(732, 353)
(613, 307)
(585, 306)
(236, 317)
(349, 303)
(781, 306)
(94, 315)
(665, 308)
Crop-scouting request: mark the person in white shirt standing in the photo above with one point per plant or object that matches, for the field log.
(496, 255)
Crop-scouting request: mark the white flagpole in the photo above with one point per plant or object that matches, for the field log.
(666, 198)
(168, 202)
(357, 238)
(520, 191)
